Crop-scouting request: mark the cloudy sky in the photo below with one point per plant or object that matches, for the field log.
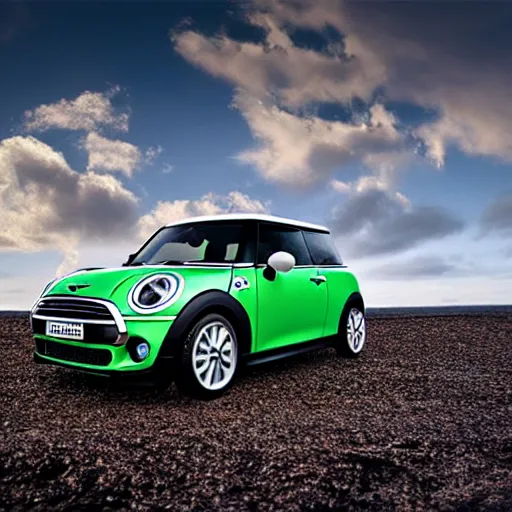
(389, 122)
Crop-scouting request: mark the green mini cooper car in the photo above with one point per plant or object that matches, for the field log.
(201, 298)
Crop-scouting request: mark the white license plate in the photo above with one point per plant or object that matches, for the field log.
(69, 330)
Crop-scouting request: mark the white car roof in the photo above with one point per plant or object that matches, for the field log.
(251, 216)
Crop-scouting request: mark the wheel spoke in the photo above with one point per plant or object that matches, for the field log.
(225, 360)
(217, 375)
(223, 337)
(202, 368)
(209, 374)
(208, 338)
(214, 335)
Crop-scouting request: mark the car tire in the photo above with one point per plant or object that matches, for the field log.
(209, 358)
(352, 331)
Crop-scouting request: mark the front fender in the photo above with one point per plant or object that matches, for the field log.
(208, 302)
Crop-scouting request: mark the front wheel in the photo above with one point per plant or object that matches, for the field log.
(352, 331)
(209, 358)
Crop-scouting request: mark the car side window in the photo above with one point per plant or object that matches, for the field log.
(274, 238)
(322, 248)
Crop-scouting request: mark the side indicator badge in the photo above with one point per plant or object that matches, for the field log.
(240, 283)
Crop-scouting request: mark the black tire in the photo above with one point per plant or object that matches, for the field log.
(186, 379)
(343, 346)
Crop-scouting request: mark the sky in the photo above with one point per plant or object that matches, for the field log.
(389, 122)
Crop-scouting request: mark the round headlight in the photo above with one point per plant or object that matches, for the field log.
(155, 293)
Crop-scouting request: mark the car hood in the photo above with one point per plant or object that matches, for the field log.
(114, 284)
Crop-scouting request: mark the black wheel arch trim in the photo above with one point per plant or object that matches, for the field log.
(211, 301)
(355, 297)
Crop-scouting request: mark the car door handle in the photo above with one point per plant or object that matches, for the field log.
(318, 279)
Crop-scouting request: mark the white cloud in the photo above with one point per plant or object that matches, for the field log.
(88, 112)
(473, 131)
(111, 155)
(366, 184)
(276, 66)
(300, 151)
(44, 204)
(167, 168)
(152, 153)
(70, 262)
(461, 73)
(388, 165)
(340, 186)
(209, 204)
(273, 74)
(91, 112)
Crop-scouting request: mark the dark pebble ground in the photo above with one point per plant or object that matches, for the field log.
(422, 421)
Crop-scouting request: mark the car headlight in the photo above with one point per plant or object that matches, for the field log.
(155, 292)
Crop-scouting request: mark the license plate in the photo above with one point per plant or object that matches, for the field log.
(68, 330)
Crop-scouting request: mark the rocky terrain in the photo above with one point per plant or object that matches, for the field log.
(422, 421)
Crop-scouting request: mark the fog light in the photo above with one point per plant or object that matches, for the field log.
(142, 350)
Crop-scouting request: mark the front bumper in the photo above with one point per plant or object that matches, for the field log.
(150, 375)
(107, 347)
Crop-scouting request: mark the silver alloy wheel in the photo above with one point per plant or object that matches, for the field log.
(356, 330)
(214, 356)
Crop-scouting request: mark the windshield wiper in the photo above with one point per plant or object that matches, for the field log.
(136, 264)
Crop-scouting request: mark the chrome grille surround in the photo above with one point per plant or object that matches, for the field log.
(84, 310)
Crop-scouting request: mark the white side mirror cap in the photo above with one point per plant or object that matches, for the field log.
(281, 261)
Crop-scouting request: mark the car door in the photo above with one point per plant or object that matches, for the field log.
(292, 305)
(339, 282)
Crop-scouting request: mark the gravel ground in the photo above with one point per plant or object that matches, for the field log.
(423, 420)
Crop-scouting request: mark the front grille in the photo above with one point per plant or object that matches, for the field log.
(71, 353)
(74, 309)
(93, 333)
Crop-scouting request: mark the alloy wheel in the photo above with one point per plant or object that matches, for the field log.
(214, 356)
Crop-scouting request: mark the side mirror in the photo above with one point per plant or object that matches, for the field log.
(281, 261)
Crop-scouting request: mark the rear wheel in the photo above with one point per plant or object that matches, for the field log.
(209, 358)
(352, 331)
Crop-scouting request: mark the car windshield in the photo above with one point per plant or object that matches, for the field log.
(211, 242)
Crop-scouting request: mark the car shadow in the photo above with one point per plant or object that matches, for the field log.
(112, 390)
